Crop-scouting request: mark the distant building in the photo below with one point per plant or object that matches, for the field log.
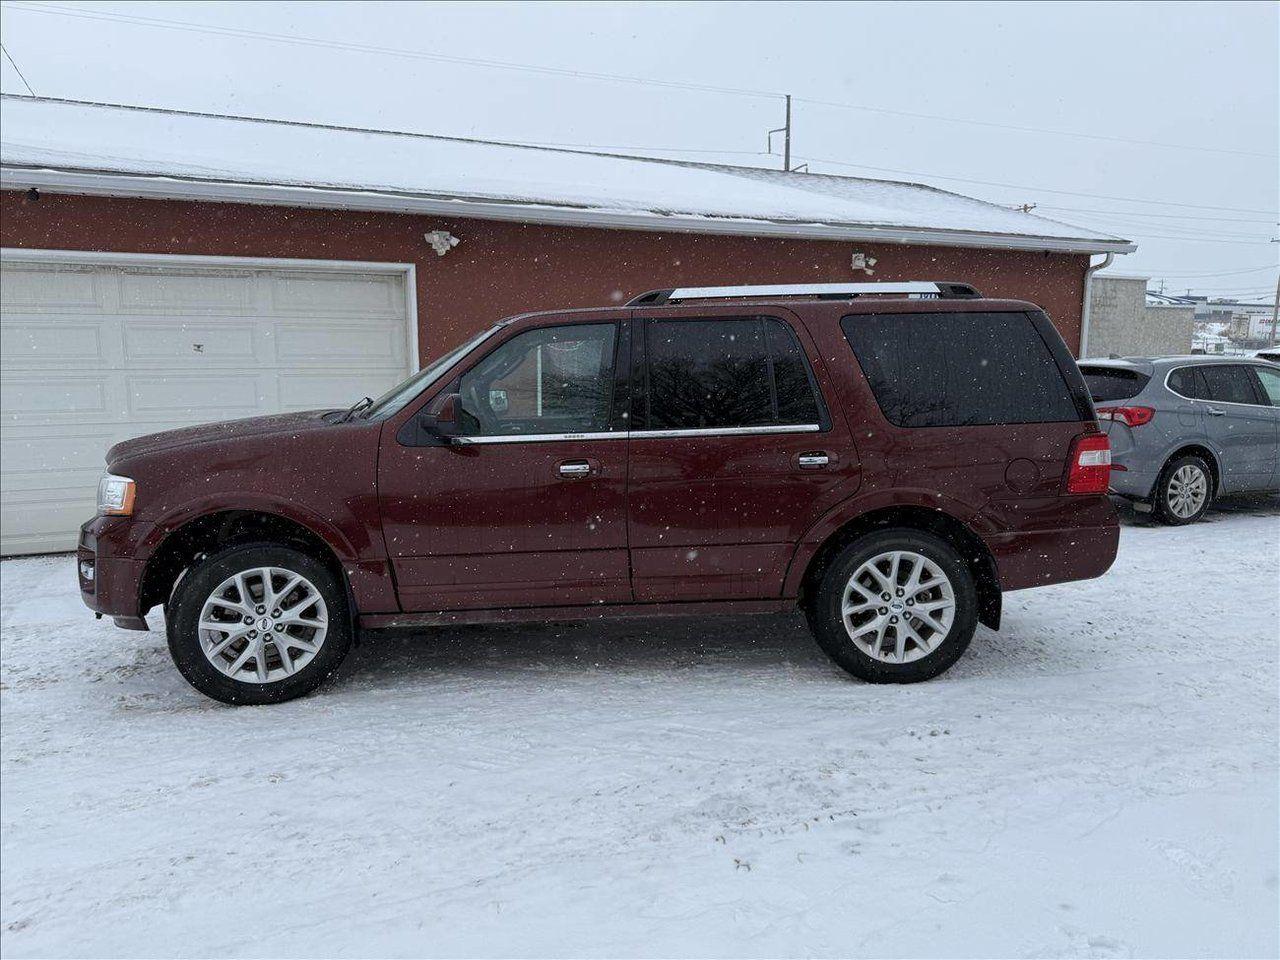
(1252, 326)
(1124, 321)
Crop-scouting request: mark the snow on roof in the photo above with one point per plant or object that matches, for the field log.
(75, 147)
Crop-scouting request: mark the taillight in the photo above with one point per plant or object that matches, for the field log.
(1133, 416)
(1090, 470)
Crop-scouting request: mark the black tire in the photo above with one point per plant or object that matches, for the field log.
(1160, 497)
(827, 623)
(196, 587)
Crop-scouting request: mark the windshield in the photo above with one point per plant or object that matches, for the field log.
(394, 400)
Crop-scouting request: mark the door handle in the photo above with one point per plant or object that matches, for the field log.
(812, 461)
(575, 469)
(1215, 412)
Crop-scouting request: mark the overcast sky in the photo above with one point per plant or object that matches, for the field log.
(1180, 102)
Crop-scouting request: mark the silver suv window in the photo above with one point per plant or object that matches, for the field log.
(1218, 383)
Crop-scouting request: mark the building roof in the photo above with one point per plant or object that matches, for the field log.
(117, 150)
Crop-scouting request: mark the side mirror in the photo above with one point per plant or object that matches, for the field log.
(441, 417)
(444, 410)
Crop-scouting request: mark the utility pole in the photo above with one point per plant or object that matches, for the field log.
(785, 130)
(1275, 313)
(786, 139)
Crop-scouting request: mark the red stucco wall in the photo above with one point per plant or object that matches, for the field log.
(505, 268)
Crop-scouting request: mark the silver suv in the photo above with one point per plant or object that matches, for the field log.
(1185, 430)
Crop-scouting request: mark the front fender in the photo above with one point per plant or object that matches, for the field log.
(339, 541)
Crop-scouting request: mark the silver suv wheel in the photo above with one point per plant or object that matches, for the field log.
(1187, 491)
(898, 606)
(263, 624)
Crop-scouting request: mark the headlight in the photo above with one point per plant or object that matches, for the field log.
(115, 496)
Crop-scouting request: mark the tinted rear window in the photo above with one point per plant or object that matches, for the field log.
(959, 369)
(1111, 383)
(1188, 382)
(727, 373)
(1229, 384)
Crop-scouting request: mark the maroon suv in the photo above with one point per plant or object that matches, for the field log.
(889, 458)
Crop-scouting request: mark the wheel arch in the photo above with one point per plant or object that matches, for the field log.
(204, 533)
(806, 572)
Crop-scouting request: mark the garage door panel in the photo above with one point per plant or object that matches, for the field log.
(49, 397)
(53, 342)
(213, 397)
(48, 457)
(301, 391)
(341, 343)
(50, 289)
(95, 354)
(47, 519)
(190, 343)
(171, 291)
(356, 295)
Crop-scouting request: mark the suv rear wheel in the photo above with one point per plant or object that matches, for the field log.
(896, 606)
(258, 623)
(1184, 490)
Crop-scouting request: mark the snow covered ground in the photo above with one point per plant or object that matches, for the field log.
(1099, 779)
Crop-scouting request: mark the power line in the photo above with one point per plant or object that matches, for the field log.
(296, 40)
(247, 118)
(1024, 129)
(242, 33)
(8, 56)
(1224, 273)
(1189, 231)
(1160, 236)
(1016, 186)
(1160, 216)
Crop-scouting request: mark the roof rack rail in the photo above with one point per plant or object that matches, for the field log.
(925, 289)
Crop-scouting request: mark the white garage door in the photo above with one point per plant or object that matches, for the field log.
(96, 352)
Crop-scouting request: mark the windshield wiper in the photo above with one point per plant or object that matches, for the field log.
(357, 408)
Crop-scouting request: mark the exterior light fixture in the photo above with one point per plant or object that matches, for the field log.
(442, 241)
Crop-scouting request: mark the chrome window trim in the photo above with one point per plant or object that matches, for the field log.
(727, 431)
(1225, 403)
(646, 434)
(544, 437)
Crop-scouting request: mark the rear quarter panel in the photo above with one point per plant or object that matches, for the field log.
(1005, 482)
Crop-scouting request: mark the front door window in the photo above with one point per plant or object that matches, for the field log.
(550, 381)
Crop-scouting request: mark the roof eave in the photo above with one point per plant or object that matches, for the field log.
(98, 183)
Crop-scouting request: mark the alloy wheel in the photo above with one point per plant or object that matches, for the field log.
(1187, 491)
(898, 606)
(263, 624)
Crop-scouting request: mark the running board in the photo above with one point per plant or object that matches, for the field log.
(608, 611)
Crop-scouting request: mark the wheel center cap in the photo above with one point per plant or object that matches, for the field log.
(264, 624)
(896, 606)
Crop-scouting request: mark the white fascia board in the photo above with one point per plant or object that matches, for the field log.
(290, 195)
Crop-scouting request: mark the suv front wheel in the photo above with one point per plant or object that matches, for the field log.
(895, 606)
(258, 623)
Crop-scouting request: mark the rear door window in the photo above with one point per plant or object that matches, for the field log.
(731, 373)
(1113, 383)
(1270, 380)
(959, 369)
(1229, 383)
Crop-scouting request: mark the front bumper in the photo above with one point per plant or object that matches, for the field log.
(109, 585)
